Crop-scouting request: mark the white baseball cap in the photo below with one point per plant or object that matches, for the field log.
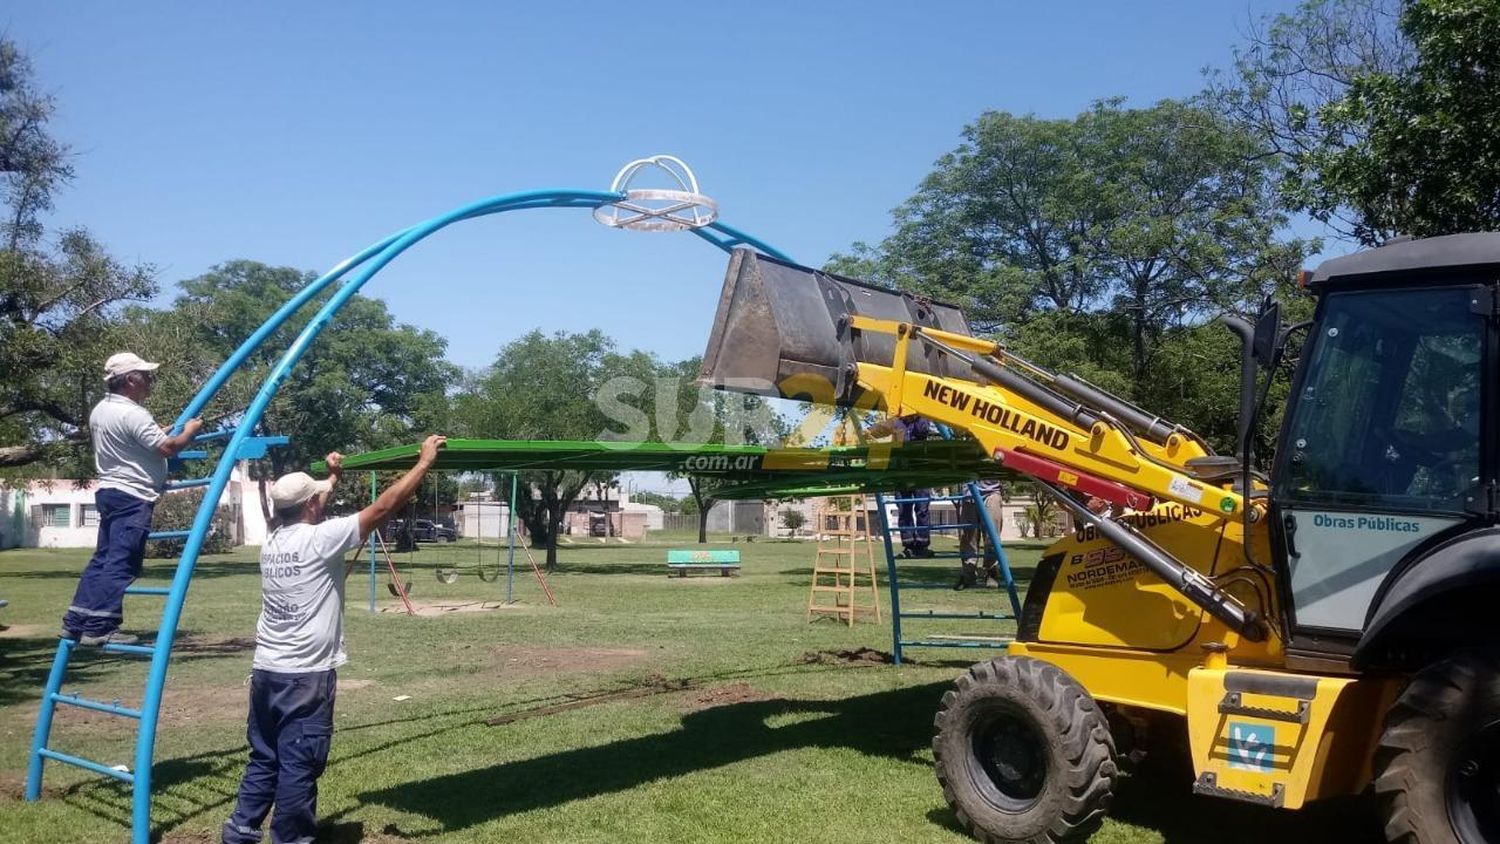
(291, 490)
(125, 363)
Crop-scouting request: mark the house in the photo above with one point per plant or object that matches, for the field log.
(60, 512)
(481, 516)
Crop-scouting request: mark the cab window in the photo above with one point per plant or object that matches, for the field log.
(1388, 413)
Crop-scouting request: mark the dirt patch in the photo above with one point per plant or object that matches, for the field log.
(521, 659)
(856, 656)
(724, 696)
(22, 631)
(431, 608)
(13, 789)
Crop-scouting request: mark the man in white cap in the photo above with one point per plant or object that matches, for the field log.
(130, 455)
(299, 642)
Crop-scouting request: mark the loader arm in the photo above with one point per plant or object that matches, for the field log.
(1077, 448)
(796, 332)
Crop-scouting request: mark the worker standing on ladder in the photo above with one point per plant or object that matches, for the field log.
(913, 511)
(130, 456)
(299, 644)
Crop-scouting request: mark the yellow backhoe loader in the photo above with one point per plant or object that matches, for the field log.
(1327, 629)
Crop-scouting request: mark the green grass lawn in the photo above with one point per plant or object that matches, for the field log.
(641, 708)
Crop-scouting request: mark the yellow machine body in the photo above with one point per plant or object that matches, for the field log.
(1258, 731)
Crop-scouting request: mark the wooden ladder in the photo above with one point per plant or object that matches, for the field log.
(844, 567)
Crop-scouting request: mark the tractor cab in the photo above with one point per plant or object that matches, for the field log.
(1386, 463)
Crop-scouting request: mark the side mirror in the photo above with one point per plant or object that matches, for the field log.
(1265, 343)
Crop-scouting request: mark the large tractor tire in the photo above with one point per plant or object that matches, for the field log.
(1024, 754)
(1437, 770)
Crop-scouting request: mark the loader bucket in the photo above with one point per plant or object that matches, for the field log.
(782, 330)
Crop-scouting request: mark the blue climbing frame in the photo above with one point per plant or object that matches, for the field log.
(899, 644)
(239, 444)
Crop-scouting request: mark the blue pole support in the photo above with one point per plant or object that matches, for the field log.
(994, 537)
(372, 548)
(44, 720)
(892, 577)
(510, 560)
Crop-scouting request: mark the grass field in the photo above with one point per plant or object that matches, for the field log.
(642, 708)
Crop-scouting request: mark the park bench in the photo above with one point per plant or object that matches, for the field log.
(725, 561)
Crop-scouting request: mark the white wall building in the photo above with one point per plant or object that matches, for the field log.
(939, 513)
(60, 513)
(481, 517)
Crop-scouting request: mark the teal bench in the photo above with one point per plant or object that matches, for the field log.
(725, 561)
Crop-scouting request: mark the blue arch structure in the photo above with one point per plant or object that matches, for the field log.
(353, 272)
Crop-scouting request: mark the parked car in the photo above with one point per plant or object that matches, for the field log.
(426, 530)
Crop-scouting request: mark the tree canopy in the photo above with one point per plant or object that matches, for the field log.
(369, 382)
(1102, 244)
(59, 294)
(1379, 114)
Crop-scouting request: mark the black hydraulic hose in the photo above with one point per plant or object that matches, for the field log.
(1035, 393)
(1186, 580)
(1152, 428)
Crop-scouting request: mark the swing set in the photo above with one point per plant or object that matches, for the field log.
(445, 571)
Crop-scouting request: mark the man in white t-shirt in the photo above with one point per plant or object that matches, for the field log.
(299, 642)
(130, 454)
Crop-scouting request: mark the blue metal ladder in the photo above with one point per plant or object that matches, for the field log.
(898, 643)
(159, 651)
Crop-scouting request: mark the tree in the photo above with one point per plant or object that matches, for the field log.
(547, 387)
(667, 503)
(792, 519)
(1098, 245)
(1379, 113)
(681, 407)
(366, 383)
(58, 297)
(1414, 150)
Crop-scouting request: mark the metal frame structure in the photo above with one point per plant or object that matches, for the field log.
(345, 279)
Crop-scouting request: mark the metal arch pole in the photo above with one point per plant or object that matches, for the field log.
(172, 612)
(734, 237)
(893, 577)
(222, 375)
(373, 537)
(510, 523)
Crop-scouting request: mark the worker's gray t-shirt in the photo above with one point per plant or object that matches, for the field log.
(301, 625)
(125, 443)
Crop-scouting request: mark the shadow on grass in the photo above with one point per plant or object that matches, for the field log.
(25, 662)
(161, 569)
(1163, 800)
(893, 724)
(184, 787)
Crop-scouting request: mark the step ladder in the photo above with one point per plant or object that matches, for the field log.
(845, 557)
(900, 612)
(238, 447)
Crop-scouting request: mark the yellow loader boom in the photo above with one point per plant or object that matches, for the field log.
(789, 331)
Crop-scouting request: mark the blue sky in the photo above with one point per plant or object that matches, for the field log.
(298, 133)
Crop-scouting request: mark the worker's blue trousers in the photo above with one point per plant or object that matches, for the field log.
(913, 519)
(289, 729)
(99, 602)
